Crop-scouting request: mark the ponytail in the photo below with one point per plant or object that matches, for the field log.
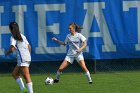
(77, 27)
(14, 28)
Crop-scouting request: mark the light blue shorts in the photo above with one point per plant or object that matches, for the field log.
(72, 58)
(26, 64)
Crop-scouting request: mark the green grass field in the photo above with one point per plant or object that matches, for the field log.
(116, 82)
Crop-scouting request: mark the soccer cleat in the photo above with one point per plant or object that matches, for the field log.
(24, 90)
(55, 81)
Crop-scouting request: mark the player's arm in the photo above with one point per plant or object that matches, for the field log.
(84, 44)
(11, 49)
(58, 41)
(29, 47)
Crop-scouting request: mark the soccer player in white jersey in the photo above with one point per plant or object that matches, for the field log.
(19, 43)
(76, 42)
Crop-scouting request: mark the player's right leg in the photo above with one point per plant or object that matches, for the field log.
(26, 75)
(16, 74)
(61, 68)
(80, 60)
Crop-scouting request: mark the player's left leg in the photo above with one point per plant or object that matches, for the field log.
(26, 75)
(82, 64)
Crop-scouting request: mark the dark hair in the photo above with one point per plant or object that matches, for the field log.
(77, 27)
(14, 28)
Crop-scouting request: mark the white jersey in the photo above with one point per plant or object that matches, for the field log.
(74, 43)
(22, 51)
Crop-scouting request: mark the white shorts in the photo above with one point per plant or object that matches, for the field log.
(72, 58)
(26, 64)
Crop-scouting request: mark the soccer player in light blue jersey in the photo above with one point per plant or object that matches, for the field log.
(76, 42)
(19, 43)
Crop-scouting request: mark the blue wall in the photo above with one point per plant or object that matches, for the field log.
(111, 27)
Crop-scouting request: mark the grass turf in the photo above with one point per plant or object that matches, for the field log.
(116, 82)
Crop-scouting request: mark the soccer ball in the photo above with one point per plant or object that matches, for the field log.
(49, 81)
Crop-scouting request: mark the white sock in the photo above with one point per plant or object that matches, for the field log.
(30, 87)
(58, 75)
(20, 83)
(88, 76)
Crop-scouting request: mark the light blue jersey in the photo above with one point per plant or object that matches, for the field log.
(74, 43)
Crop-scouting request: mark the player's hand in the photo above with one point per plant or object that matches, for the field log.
(55, 39)
(79, 50)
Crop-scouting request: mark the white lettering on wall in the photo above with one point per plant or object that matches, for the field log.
(94, 10)
(43, 28)
(19, 15)
(3, 30)
(134, 4)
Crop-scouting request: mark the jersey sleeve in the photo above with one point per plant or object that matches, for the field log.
(66, 40)
(12, 42)
(82, 37)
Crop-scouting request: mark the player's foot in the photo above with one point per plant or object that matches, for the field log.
(55, 81)
(90, 82)
(24, 90)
